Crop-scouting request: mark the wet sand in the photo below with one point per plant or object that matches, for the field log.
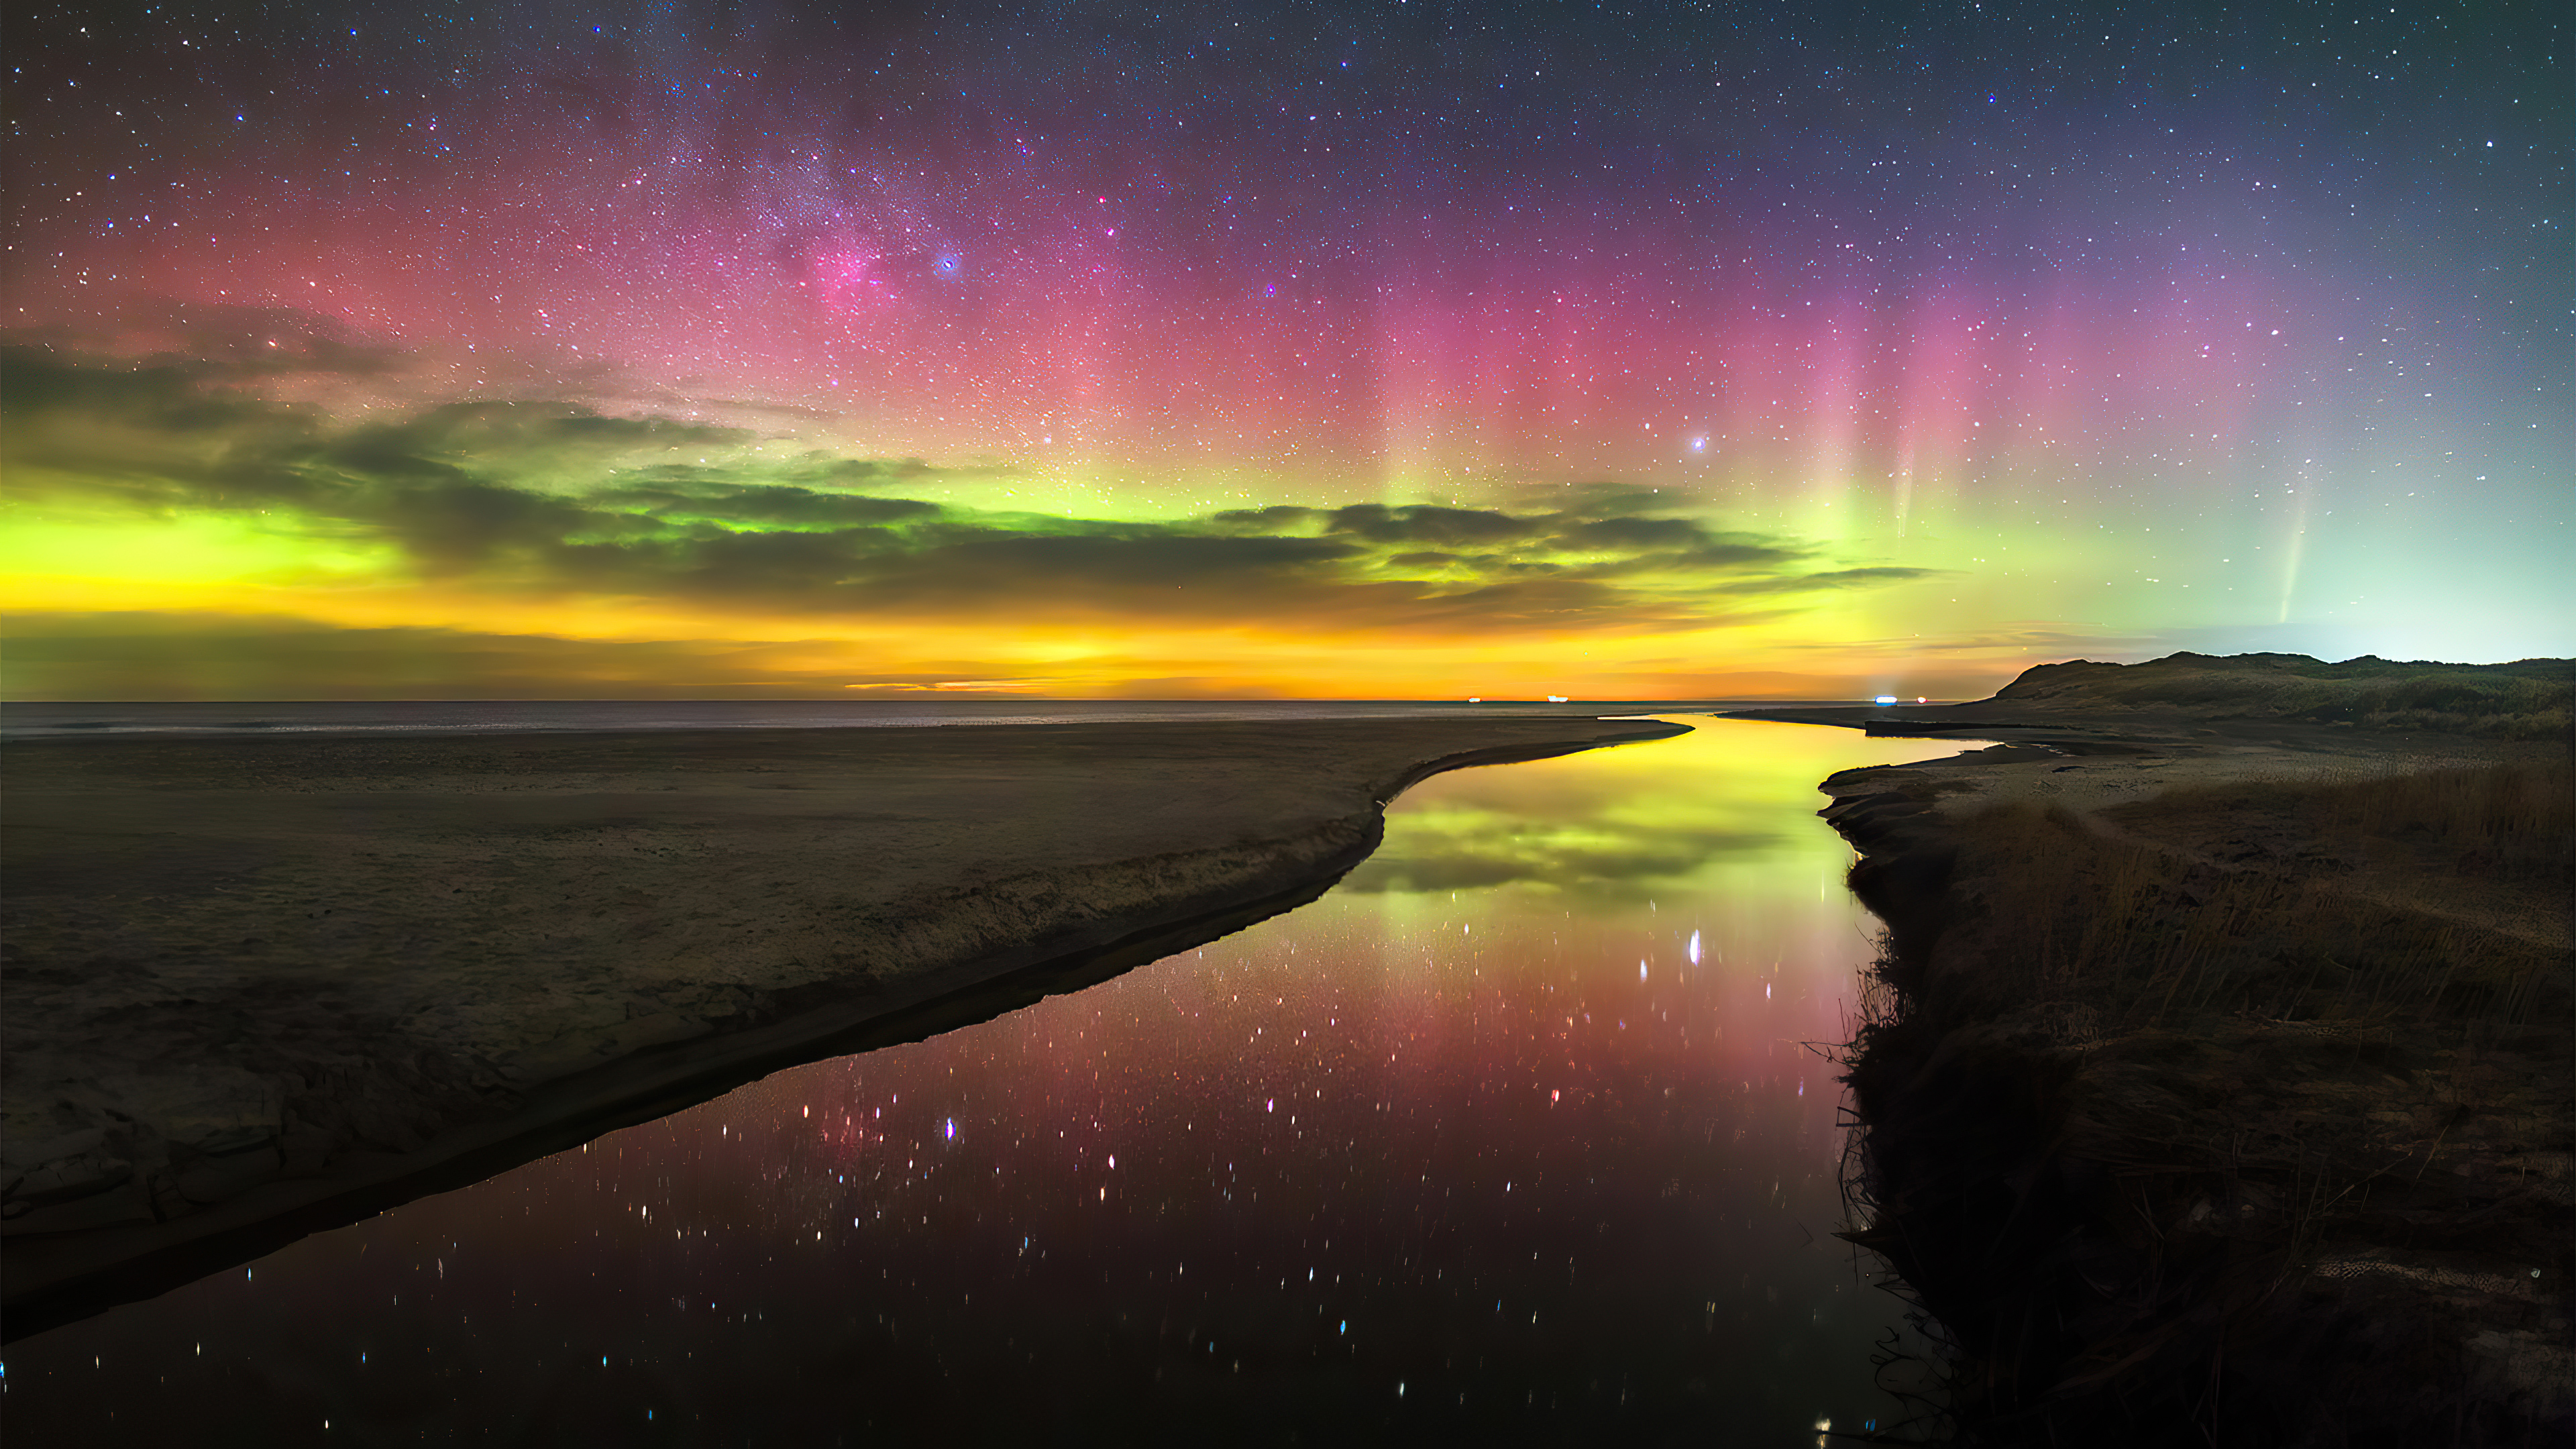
(257, 987)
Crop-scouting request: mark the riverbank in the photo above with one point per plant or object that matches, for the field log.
(262, 986)
(2217, 1088)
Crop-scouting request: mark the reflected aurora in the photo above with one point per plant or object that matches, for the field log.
(1548, 1155)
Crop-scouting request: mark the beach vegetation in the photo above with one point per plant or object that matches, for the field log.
(2527, 699)
(2236, 1101)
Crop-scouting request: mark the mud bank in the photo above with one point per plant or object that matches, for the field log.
(2217, 1090)
(260, 987)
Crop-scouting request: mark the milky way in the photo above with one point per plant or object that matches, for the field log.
(2230, 328)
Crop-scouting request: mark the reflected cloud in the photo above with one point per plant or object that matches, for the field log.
(1602, 860)
(1608, 828)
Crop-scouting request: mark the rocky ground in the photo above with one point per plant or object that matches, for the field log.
(2220, 1086)
(258, 986)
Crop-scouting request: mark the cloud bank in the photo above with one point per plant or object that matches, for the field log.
(549, 504)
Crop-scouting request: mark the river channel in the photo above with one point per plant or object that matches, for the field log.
(1522, 1132)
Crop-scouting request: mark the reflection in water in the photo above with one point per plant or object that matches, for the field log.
(1514, 1133)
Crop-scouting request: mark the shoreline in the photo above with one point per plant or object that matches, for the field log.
(182, 1098)
(2155, 1122)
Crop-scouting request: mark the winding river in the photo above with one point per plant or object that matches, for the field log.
(1518, 1132)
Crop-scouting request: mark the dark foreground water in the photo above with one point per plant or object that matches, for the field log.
(1516, 1134)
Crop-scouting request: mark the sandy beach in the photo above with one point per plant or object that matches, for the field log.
(261, 986)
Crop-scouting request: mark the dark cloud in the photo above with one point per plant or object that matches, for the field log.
(555, 498)
(1630, 534)
(1835, 579)
(1739, 550)
(1157, 558)
(1596, 499)
(1278, 518)
(453, 526)
(157, 435)
(821, 470)
(385, 453)
(761, 504)
(167, 397)
(527, 435)
(1429, 524)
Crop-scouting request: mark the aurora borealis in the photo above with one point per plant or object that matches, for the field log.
(1396, 350)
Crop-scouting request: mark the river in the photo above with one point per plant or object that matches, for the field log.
(1522, 1131)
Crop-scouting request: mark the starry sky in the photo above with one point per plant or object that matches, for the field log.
(1387, 350)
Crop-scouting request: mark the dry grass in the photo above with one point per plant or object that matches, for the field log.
(2270, 924)
(2529, 700)
(2523, 708)
(2489, 809)
(2171, 1072)
(2512, 820)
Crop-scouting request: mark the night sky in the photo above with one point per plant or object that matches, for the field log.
(1385, 350)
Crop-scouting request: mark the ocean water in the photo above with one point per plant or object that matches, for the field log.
(39, 720)
(1528, 1131)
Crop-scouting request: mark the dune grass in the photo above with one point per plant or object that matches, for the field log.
(2529, 700)
(2209, 1118)
(2270, 923)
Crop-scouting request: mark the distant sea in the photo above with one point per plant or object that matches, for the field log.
(515, 716)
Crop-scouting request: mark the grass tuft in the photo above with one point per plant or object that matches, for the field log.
(2202, 1116)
